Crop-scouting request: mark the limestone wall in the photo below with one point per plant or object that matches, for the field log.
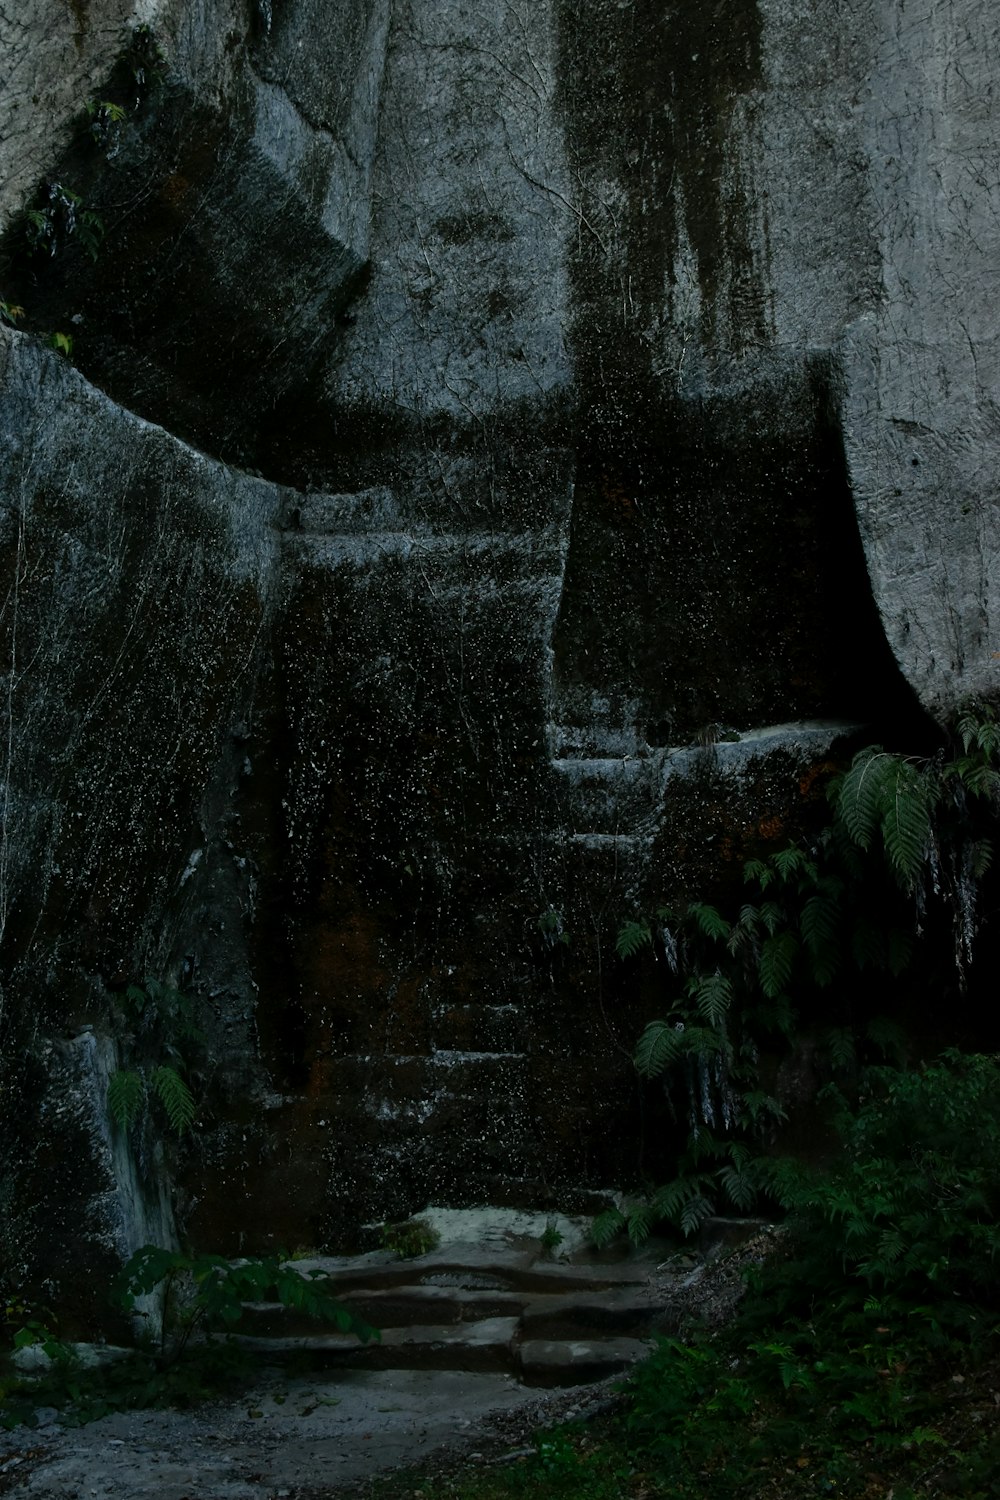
(506, 448)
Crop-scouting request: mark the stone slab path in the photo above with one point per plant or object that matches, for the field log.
(469, 1335)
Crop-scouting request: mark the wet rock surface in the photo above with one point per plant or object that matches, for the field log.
(515, 451)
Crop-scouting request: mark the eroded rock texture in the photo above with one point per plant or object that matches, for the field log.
(451, 516)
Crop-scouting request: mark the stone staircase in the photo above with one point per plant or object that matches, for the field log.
(499, 1306)
(611, 784)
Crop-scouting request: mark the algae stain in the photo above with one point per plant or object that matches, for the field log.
(81, 15)
(655, 109)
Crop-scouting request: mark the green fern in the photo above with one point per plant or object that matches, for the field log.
(858, 796)
(684, 1201)
(980, 729)
(906, 821)
(820, 928)
(126, 1093)
(749, 919)
(632, 938)
(777, 957)
(978, 777)
(712, 995)
(793, 861)
(759, 1106)
(755, 870)
(772, 916)
(640, 1219)
(739, 1180)
(175, 1096)
(694, 1213)
(659, 1045)
(840, 1048)
(710, 921)
(607, 1227)
(887, 1036)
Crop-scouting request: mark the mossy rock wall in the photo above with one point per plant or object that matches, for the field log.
(509, 452)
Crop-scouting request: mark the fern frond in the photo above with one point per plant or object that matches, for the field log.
(906, 822)
(980, 730)
(607, 1227)
(968, 729)
(703, 1041)
(710, 921)
(778, 1015)
(674, 1200)
(793, 861)
(839, 1042)
(657, 1048)
(757, 870)
(819, 925)
(126, 1093)
(712, 995)
(175, 1096)
(772, 916)
(981, 857)
(749, 918)
(777, 956)
(757, 1105)
(137, 997)
(694, 1214)
(640, 1219)
(887, 1036)
(859, 794)
(980, 779)
(739, 1184)
(632, 938)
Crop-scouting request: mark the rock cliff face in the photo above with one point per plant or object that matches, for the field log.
(506, 445)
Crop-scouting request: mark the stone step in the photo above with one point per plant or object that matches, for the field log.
(486, 1345)
(626, 1314)
(609, 796)
(390, 1307)
(555, 1362)
(595, 740)
(478, 1269)
(572, 1315)
(488, 1299)
(493, 1344)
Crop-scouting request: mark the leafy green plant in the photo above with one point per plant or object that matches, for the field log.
(106, 118)
(62, 219)
(37, 1335)
(550, 1239)
(410, 1239)
(903, 833)
(10, 312)
(550, 925)
(885, 1289)
(202, 1299)
(62, 343)
(165, 1026)
(144, 63)
(909, 1218)
(202, 1294)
